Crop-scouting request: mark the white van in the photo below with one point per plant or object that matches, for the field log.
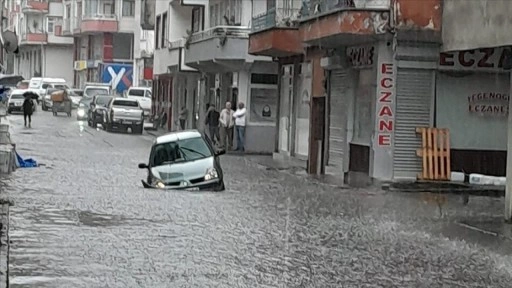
(39, 85)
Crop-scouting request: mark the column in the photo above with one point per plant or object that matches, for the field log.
(508, 193)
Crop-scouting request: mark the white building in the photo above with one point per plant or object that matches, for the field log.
(38, 25)
(202, 54)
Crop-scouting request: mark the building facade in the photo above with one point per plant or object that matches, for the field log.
(41, 45)
(109, 44)
(203, 47)
(361, 77)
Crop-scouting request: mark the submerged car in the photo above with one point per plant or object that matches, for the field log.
(184, 160)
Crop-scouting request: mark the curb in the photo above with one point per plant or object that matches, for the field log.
(4, 245)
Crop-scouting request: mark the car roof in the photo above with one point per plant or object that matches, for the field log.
(175, 136)
(18, 91)
(124, 99)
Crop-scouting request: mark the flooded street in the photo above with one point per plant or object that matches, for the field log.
(84, 220)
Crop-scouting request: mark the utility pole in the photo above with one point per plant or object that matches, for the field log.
(2, 52)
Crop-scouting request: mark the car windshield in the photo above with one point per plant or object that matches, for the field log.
(103, 100)
(185, 150)
(136, 92)
(91, 92)
(126, 103)
(17, 96)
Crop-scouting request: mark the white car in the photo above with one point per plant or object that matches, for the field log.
(15, 102)
(143, 95)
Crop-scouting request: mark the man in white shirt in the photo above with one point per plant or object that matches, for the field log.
(227, 123)
(239, 116)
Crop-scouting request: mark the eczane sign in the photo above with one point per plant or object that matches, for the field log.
(484, 59)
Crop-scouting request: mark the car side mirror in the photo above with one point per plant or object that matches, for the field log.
(220, 152)
(143, 166)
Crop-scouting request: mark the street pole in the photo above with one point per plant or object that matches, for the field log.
(2, 33)
(508, 191)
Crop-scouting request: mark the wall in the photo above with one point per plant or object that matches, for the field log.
(469, 129)
(180, 19)
(55, 54)
(420, 15)
(485, 23)
(56, 9)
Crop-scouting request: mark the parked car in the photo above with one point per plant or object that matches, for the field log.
(97, 109)
(184, 160)
(78, 92)
(124, 113)
(15, 102)
(143, 95)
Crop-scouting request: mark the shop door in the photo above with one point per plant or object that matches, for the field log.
(414, 98)
(338, 120)
(286, 109)
(302, 111)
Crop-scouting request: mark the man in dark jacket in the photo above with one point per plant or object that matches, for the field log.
(212, 120)
(28, 108)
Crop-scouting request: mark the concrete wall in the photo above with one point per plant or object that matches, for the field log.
(56, 54)
(476, 24)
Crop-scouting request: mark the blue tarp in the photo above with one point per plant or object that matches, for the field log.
(25, 163)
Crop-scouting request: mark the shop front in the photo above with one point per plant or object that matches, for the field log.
(352, 78)
(472, 100)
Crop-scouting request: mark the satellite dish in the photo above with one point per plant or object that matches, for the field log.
(10, 41)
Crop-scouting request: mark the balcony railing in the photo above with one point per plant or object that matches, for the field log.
(280, 17)
(315, 8)
(99, 16)
(221, 31)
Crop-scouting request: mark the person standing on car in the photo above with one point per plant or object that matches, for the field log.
(212, 120)
(28, 108)
(239, 116)
(226, 126)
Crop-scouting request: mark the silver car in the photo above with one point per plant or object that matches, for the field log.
(184, 160)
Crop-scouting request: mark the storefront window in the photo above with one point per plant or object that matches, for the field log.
(263, 106)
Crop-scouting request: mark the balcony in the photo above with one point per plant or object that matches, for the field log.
(332, 23)
(275, 33)
(221, 48)
(175, 59)
(34, 7)
(33, 38)
(99, 23)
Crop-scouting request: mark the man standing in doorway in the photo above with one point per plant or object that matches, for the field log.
(226, 126)
(212, 120)
(183, 117)
(239, 116)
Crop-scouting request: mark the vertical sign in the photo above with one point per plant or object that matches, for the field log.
(385, 104)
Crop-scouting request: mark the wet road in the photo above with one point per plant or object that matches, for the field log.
(83, 220)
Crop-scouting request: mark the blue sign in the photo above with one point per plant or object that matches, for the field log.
(119, 76)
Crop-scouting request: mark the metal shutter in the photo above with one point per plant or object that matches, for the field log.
(337, 118)
(414, 95)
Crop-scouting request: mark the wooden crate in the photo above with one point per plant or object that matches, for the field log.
(435, 153)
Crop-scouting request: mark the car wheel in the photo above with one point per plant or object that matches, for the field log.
(220, 187)
(44, 107)
(9, 112)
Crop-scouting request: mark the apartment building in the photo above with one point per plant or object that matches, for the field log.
(202, 58)
(41, 45)
(110, 45)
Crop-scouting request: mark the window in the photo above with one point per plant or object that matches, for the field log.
(229, 11)
(269, 79)
(164, 30)
(50, 24)
(126, 103)
(157, 32)
(129, 8)
(184, 150)
(196, 19)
